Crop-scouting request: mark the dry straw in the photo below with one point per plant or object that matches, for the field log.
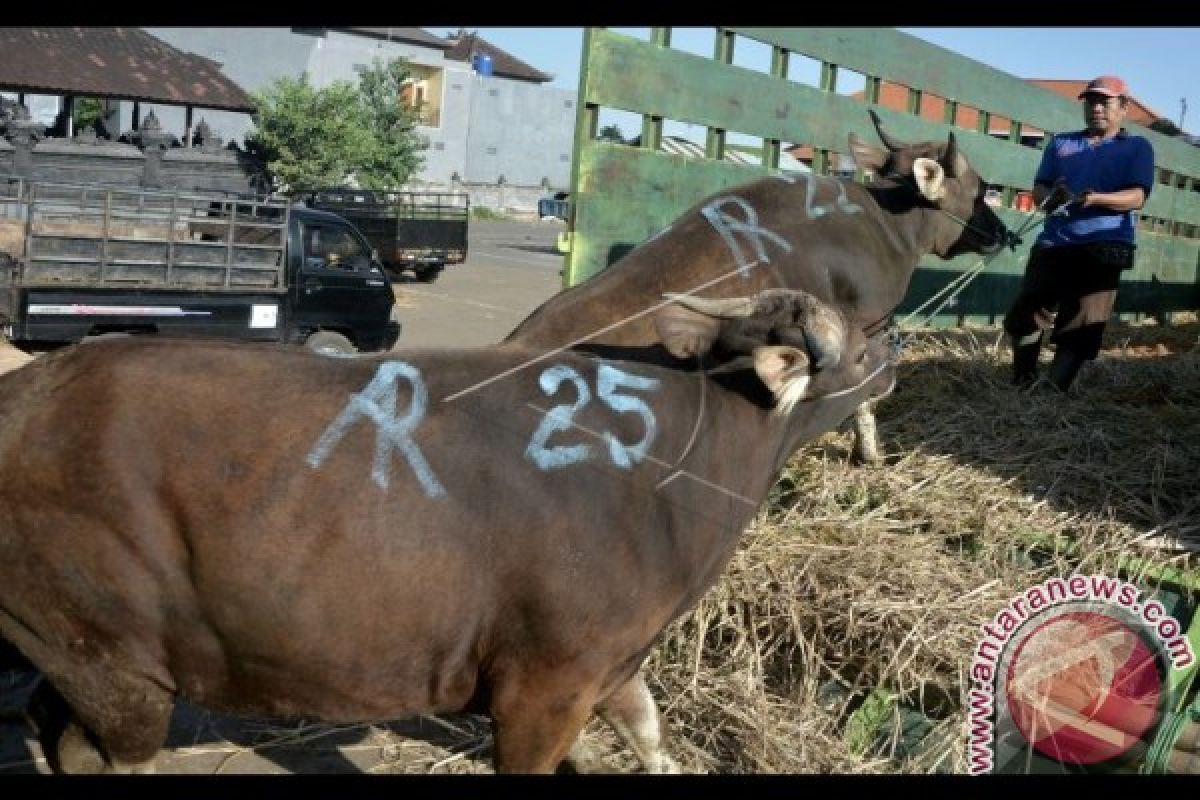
(863, 577)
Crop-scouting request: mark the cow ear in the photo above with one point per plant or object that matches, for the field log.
(868, 157)
(930, 178)
(783, 370)
(686, 333)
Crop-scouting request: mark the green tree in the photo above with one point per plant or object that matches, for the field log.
(396, 151)
(611, 133)
(308, 137)
(86, 111)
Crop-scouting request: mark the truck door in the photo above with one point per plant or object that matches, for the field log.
(337, 287)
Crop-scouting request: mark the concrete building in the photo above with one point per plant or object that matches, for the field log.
(505, 131)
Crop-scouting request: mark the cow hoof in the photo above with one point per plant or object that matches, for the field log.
(871, 458)
(583, 760)
(663, 764)
(77, 755)
(121, 768)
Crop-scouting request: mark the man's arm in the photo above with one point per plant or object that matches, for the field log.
(1122, 200)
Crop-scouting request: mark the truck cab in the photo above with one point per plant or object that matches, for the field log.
(340, 297)
(421, 231)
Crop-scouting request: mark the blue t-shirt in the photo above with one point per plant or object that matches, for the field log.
(1122, 162)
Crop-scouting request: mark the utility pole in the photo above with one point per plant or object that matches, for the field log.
(1182, 111)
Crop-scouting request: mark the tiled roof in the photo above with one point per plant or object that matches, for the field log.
(125, 63)
(1139, 112)
(408, 35)
(466, 45)
(895, 96)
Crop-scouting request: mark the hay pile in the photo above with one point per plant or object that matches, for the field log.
(869, 576)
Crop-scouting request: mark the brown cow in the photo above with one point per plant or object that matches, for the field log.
(269, 532)
(851, 245)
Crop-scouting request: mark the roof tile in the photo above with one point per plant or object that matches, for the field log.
(464, 46)
(112, 62)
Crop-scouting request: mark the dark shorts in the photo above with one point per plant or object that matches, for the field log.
(1059, 279)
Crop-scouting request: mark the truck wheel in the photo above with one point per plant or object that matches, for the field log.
(428, 274)
(329, 343)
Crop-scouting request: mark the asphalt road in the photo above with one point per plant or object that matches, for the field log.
(511, 268)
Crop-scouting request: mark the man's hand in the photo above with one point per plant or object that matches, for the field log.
(1059, 196)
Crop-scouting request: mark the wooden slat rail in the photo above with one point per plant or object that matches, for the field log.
(623, 195)
(56, 244)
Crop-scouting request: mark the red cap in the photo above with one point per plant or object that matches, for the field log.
(1109, 85)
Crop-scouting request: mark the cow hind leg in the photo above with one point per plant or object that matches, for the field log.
(633, 714)
(116, 726)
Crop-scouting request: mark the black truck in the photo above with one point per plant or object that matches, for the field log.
(412, 230)
(80, 261)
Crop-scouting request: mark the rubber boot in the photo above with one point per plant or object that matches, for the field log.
(1064, 368)
(1025, 363)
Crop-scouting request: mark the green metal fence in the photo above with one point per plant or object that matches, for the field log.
(623, 194)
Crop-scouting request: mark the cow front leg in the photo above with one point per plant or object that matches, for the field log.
(67, 747)
(100, 721)
(633, 714)
(866, 437)
(535, 729)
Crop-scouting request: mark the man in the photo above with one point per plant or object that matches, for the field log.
(1096, 180)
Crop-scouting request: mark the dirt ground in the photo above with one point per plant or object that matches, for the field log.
(11, 357)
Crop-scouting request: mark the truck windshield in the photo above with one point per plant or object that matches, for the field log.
(332, 247)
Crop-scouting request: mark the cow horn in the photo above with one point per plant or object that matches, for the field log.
(953, 161)
(722, 308)
(822, 330)
(825, 342)
(889, 142)
(822, 334)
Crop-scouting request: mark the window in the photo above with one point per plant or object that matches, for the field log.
(416, 95)
(332, 247)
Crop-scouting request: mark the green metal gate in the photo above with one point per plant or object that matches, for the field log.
(623, 194)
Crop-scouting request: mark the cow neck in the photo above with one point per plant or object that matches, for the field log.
(913, 235)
